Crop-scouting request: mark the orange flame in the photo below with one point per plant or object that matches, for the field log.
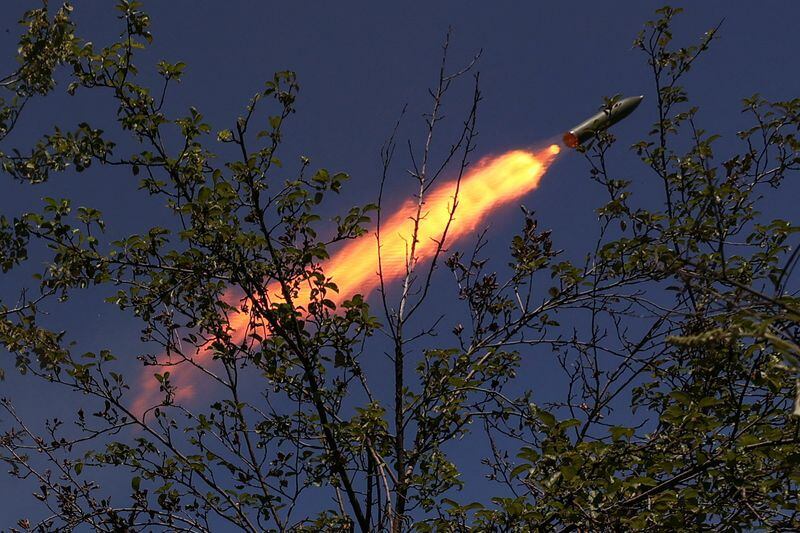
(492, 182)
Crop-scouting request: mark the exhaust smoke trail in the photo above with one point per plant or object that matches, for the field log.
(492, 182)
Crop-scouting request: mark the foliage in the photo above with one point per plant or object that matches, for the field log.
(677, 337)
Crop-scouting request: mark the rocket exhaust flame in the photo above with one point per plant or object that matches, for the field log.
(491, 183)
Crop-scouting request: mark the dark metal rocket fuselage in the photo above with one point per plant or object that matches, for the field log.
(602, 120)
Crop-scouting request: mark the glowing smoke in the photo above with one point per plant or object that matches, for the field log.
(494, 181)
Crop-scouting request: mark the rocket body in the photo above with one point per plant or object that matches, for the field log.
(602, 120)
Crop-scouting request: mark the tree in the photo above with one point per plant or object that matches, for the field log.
(677, 337)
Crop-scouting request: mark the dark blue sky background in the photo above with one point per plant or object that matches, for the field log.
(545, 66)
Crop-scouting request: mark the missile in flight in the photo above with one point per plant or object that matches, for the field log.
(602, 120)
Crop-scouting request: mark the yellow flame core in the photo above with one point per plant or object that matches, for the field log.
(491, 183)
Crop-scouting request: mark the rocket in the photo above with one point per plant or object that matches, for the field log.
(602, 120)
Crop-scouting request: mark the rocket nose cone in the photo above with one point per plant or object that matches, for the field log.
(634, 101)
